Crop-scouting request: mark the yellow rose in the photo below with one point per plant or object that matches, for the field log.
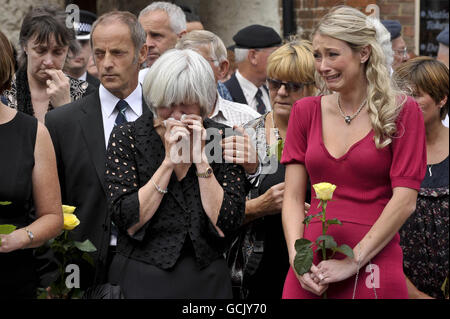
(324, 191)
(70, 221)
(68, 209)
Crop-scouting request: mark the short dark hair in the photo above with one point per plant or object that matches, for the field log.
(428, 75)
(6, 63)
(137, 32)
(44, 22)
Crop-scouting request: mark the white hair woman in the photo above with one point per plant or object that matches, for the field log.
(369, 140)
(173, 204)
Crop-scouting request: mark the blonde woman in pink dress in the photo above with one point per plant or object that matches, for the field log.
(365, 137)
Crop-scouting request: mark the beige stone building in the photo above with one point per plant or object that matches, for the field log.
(226, 17)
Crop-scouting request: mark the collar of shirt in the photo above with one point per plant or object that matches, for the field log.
(109, 101)
(232, 113)
(218, 109)
(250, 90)
(247, 87)
(83, 77)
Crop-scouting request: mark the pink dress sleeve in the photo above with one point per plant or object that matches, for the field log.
(409, 154)
(296, 136)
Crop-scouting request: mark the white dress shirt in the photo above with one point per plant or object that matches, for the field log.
(445, 121)
(83, 77)
(142, 74)
(109, 101)
(232, 113)
(250, 91)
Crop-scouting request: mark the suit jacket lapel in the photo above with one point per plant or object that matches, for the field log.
(91, 123)
(235, 90)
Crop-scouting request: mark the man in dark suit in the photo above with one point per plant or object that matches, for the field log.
(76, 66)
(80, 131)
(253, 46)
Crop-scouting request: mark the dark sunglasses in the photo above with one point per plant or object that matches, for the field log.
(274, 85)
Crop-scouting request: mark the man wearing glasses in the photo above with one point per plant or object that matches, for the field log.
(398, 44)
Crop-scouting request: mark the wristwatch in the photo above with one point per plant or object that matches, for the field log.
(206, 174)
(30, 234)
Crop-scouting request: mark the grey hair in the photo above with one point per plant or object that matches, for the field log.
(240, 55)
(138, 35)
(383, 38)
(180, 76)
(198, 38)
(177, 18)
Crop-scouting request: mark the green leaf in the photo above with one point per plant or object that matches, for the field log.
(334, 221)
(88, 258)
(68, 245)
(444, 287)
(85, 246)
(307, 220)
(346, 250)
(280, 149)
(303, 260)
(276, 149)
(7, 229)
(302, 242)
(329, 241)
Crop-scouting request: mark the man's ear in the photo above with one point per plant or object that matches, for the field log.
(365, 53)
(181, 34)
(143, 54)
(223, 69)
(252, 53)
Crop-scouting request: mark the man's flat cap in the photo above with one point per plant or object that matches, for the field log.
(256, 37)
(443, 36)
(394, 27)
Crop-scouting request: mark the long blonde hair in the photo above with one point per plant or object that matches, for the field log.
(358, 30)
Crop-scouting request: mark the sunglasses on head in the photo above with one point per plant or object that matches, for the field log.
(274, 85)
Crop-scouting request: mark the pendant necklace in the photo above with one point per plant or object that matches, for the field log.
(276, 147)
(275, 129)
(348, 119)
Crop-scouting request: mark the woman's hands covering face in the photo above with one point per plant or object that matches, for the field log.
(184, 140)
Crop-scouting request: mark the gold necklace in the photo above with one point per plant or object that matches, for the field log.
(348, 119)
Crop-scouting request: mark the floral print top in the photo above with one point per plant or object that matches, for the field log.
(425, 235)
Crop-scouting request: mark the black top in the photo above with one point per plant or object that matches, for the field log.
(436, 175)
(17, 141)
(424, 236)
(135, 152)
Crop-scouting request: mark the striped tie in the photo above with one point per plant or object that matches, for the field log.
(260, 107)
(121, 106)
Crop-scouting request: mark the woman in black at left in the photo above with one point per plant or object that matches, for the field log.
(28, 178)
(174, 214)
